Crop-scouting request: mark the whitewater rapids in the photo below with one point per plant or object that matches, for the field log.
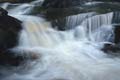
(65, 55)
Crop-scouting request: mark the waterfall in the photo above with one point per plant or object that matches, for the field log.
(96, 27)
(96, 22)
(73, 54)
(76, 20)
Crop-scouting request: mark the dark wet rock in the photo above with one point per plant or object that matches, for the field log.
(54, 9)
(116, 34)
(102, 7)
(11, 58)
(55, 13)
(16, 1)
(61, 3)
(58, 17)
(116, 18)
(107, 0)
(110, 48)
(72, 3)
(8, 58)
(9, 32)
(3, 12)
(59, 12)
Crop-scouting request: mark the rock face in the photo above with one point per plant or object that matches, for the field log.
(61, 3)
(117, 34)
(59, 9)
(9, 31)
(16, 1)
(68, 3)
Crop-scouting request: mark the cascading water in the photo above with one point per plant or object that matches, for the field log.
(96, 22)
(75, 20)
(65, 55)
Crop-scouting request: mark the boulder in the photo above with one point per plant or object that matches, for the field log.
(8, 58)
(9, 32)
(112, 50)
(117, 34)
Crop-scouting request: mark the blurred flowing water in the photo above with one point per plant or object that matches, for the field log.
(64, 55)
